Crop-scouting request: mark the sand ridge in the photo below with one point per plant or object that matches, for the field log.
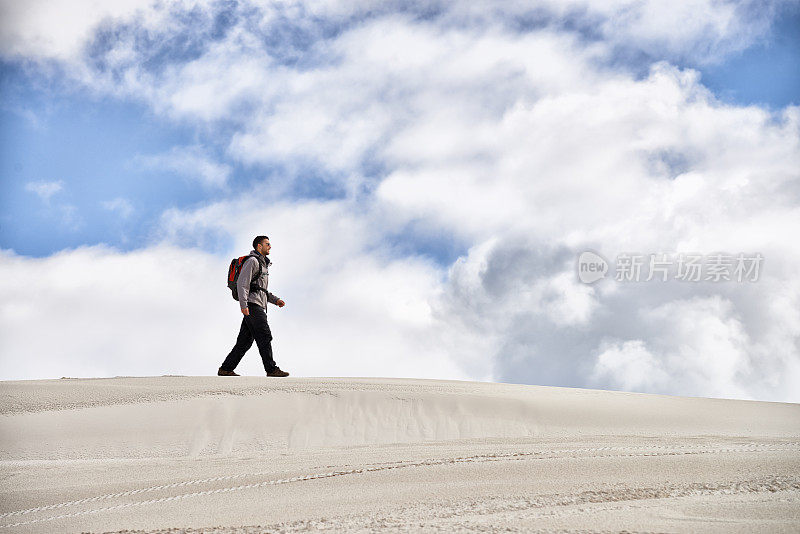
(227, 454)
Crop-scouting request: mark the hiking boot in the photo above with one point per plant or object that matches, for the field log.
(223, 372)
(277, 372)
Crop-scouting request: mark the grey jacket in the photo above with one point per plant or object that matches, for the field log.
(249, 268)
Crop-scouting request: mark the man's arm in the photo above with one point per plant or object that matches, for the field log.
(243, 283)
(275, 300)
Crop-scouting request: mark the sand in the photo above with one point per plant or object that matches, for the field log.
(260, 454)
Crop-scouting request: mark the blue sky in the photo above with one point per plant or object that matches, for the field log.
(428, 173)
(90, 146)
(766, 73)
(93, 145)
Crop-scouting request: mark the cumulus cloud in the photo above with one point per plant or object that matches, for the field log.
(349, 312)
(55, 29)
(298, 81)
(700, 339)
(629, 366)
(704, 29)
(530, 134)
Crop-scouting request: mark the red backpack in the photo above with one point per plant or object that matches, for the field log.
(233, 276)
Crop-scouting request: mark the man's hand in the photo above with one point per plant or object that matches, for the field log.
(280, 303)
(245, 311)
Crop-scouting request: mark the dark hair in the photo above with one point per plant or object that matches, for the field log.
(258, 240)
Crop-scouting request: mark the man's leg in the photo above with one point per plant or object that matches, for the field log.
(243, 343)
(263, 335)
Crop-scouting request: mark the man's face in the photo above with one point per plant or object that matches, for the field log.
(264, 246)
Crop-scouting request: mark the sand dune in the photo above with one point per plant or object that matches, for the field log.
(252, 454)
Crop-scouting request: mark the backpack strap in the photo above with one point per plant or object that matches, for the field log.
(253, 284)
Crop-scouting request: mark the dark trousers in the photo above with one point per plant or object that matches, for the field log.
(254, 327)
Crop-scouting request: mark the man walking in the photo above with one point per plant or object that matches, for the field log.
(251, 288)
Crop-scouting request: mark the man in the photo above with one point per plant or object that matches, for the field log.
(253, 298)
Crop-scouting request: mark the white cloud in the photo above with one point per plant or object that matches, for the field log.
(45, 190)
(67, 214)
(121, 206)
(349, 312)
(358, 310)
(700, 340)
(344, 102)
(55, 28)
(701, 29)
(631, 367)
(191, 162)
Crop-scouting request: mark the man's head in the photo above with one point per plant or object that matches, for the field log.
(261, 245)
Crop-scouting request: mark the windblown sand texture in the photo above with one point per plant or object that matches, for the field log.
(259, 454)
